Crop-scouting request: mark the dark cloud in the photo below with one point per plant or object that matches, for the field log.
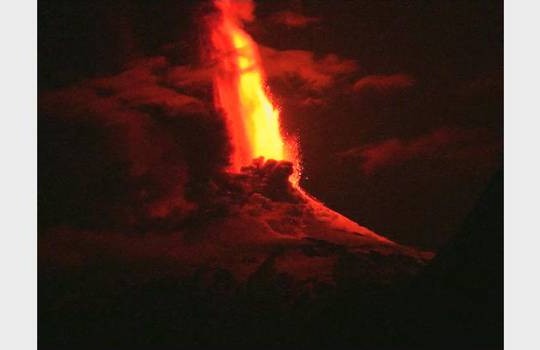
(487, 85)
(293, 19)
(456, 145)
(383, 82)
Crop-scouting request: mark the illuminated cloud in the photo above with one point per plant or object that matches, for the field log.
(314, 73)
(383, 82)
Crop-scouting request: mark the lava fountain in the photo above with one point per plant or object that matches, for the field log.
(240, 91)
(252, 119)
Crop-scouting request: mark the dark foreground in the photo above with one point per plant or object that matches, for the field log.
(148, 292)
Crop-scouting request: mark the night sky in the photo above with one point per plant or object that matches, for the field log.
(397, 107)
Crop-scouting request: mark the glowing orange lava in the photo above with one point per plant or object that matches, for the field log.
(252, 118)
(240, 92)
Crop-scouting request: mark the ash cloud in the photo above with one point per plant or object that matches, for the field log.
(127, 149)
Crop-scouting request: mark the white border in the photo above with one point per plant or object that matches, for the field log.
(522, 175)
(18, 180)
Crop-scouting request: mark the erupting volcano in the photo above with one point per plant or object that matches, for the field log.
(223, 252)
(252, 118)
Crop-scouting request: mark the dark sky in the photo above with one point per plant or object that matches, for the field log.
(397, 105)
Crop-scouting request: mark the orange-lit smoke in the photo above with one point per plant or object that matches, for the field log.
(240, 91)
